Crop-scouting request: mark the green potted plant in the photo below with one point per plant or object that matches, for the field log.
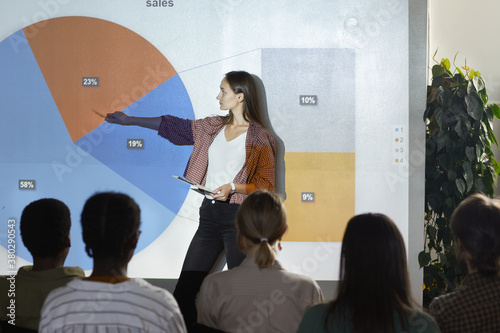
(459, 162)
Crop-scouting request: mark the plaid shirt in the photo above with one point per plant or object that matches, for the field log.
(259, 169)
(475, 307)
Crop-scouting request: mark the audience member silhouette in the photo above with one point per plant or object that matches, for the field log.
(373, 293)
(258, 295)
(45, 231)
(475, 307)
(108, 300)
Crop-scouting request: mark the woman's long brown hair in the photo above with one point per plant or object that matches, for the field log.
(243, 82)
(374, 284)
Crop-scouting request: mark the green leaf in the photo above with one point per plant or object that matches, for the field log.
(446, 160)
(493, 177)
(447, 239)
(452, 175)
(468, 176)
(460, 93)
(423, 259)
(478, 82)
(489, 114)
(474, 106)
(431, 231)
(479, 184)
(437, 81)
(429, 111)
(496, 110)
(433, 201)
(496, 165)
(444, 96)
(438, 116)
(483, 95)
(479, 151)
(439, 95)
(460, 71)
(472, 73)
(491, 136)
(443, 259)
(482, 142)
(460, 186)
(495, 168)
(462, 127)
(470, 152)
(437, 71)
(442, 140)
(446, 63)
(441, 222)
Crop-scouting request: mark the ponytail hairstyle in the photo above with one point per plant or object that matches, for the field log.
(475, 224)
(261, 218)
(243, 82)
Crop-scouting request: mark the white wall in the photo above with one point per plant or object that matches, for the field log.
(470, 28)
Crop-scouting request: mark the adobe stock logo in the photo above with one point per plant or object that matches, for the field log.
(361, 35)
(48, 9)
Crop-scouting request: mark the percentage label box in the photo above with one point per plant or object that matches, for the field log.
(307, 197)
(25, 184)
(90, 81)
(308, 100)
(135, 143)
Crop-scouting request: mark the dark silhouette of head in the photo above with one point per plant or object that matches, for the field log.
(45, 227)
(374, 279)
(475, 225)
(110, 221)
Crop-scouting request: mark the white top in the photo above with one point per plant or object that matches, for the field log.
(130, 306)
(225, 160)
(246, 299)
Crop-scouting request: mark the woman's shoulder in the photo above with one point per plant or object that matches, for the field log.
(421, 321)
(298, 278)
(319, 309)
(210, 121)
(221, 277)
(446, 302)
(260, 134)
(314, 319)
(257, 127)
(222, 282)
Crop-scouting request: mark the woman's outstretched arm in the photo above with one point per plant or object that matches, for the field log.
(121, 118)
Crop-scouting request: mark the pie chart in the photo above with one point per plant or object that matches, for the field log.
(59, 78)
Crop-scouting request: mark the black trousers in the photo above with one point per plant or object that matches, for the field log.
(216, 233)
